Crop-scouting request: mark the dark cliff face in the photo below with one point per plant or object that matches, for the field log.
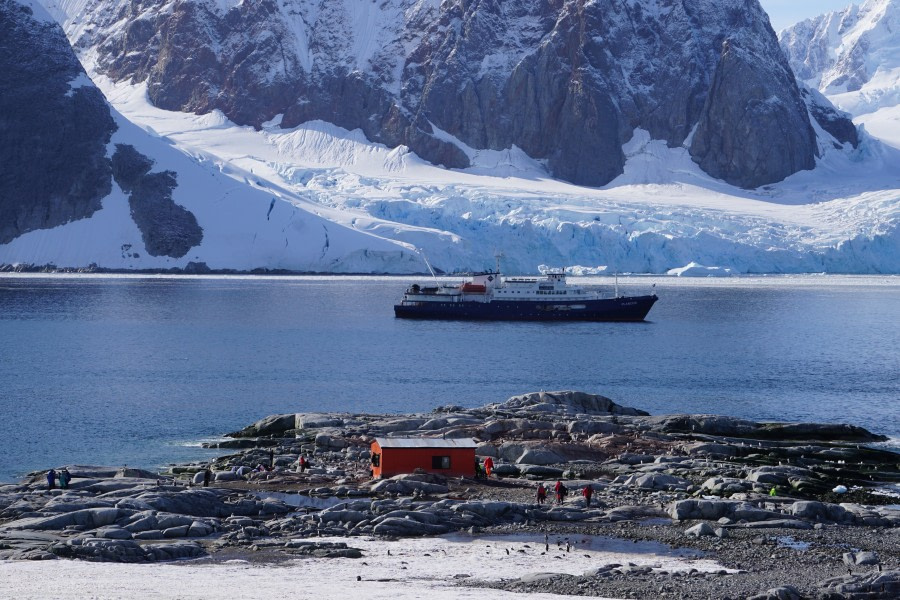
(565, 80)
(53, 148)
(55, 127)
(754, 128)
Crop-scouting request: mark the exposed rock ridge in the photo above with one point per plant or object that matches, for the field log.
(167, 229)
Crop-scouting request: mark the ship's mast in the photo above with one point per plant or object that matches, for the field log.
(428, 264)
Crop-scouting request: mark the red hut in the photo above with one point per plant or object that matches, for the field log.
(394, 456)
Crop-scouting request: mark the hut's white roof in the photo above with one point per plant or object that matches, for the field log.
(424, 442)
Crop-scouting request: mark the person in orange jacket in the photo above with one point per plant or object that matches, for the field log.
(488, 466)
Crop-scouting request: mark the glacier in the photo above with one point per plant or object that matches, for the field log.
(662, 213)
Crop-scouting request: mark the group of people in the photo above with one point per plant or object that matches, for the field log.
(562, 491)
(483, 470)
(63, 476)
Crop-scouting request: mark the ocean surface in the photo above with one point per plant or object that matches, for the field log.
(139, 370)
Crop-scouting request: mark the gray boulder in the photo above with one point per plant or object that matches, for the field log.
(204, 502)
(316, 421)
(567, 402)
(722, 486)
(487, 450)
(811, 510)
(700, 530)
(593, 427)
(785, 592)
(408, 527)
(150, 534)
(511, 451)
(540, 472)
(113, 533)
(656, 481)
(200, 529)
(176, 532)
(535, 456)
(408, 487)
(126, 551)
(397, 425)
(717, 425)
(176, 551)
(167, 520)
(860, 558)
(505, 470)
(711, 449)
(324, 440)
(90, 518)
(271, 425)
(343, 516)
(862, 587)
(492, 511)
(708, 510)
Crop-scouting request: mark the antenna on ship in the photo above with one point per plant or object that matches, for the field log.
(617, 283)
(427, 264)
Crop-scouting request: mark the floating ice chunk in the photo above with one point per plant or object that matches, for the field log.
(697, 270)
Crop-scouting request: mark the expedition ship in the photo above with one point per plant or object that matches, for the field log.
(489, 296)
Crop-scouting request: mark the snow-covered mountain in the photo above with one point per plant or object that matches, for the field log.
(853, 57)
(669, 99)
(566, 81)
(84, 186)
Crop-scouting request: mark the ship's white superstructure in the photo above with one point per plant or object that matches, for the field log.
(491, 286)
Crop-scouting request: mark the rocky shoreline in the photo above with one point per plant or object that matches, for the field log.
(758, 498)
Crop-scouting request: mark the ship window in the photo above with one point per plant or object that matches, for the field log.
(440, 462)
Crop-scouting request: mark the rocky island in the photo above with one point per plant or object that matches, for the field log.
(786, 510)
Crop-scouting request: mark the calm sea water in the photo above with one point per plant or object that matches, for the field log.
(139, 370)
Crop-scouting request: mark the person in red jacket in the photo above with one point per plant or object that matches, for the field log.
(541, 493)
(561, 491)
(587, 492)
(488, 466)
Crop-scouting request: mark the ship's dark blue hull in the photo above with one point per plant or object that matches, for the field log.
(633, 308)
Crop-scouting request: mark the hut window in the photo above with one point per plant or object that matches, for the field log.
(440, 462)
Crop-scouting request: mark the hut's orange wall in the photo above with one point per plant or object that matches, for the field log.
(395, 461)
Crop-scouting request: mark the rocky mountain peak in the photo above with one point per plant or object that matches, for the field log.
(843, 51)
(566, 81)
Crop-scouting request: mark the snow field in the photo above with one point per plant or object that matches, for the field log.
(415, 568)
